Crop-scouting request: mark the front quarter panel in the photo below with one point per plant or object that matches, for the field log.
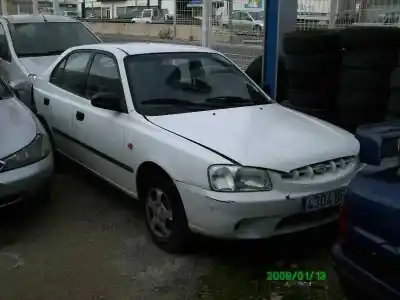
(182, 159)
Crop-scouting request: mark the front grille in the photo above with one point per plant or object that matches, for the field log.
(380, 266)
(319, 169)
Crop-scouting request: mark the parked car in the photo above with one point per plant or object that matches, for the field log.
(367, 257)
(249, 21)
(30, 43)
(26, 159)
(150, 15)
(71, 14)
(207, 150)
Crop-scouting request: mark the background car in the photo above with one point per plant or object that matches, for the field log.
(26, 159)
(29, 44)
(367, 256)
(249, 21)
(241, 167)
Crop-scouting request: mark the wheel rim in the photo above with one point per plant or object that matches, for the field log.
(257, 31)
(159, 213)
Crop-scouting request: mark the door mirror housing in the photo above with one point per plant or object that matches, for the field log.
(108, 101)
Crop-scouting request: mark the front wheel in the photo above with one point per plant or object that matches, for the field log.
(165, 216)
(257, 31)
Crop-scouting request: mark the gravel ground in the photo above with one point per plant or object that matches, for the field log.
(89, 242)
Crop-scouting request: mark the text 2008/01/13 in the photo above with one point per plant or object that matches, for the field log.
(296, 275)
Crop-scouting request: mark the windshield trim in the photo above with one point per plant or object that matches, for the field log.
(126, 59)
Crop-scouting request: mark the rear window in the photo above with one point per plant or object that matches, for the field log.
(49, 38)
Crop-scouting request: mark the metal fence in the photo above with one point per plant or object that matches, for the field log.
(236, 27)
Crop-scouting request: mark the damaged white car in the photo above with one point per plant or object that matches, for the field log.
(186, 131)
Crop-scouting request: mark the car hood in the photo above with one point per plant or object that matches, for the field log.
(37, 65)
(269, 136)
(17, 127)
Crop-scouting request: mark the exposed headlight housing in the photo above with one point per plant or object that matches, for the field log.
(38, 149)
(231, 178)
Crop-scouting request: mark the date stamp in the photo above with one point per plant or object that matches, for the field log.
(296, 275)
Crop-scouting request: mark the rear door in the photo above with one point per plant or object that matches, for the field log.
(55, 98)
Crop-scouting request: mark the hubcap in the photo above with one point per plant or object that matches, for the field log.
(159, 213)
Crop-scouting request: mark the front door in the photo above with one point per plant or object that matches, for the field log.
(101, 132)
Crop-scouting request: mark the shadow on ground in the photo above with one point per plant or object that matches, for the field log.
(235, 269)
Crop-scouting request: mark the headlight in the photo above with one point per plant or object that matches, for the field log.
(228, 178)
(38, 149)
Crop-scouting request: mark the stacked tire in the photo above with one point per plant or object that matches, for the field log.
(311, 60)
(368, 58)
(393, 107)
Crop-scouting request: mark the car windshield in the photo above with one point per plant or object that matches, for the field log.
(257, 15)
(171, 83)
(49, 38)
(5, 91)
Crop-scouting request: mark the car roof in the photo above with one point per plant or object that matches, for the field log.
(146, 48)
(39, 18)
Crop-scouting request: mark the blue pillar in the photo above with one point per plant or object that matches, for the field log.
(280, 18)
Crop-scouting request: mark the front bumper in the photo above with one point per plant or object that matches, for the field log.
(356, 281)
(253, 215)
(26, 182)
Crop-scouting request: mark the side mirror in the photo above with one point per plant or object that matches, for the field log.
(108, 101)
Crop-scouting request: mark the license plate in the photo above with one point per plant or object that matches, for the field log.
(324, 200)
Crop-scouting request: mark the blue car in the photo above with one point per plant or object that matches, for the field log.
(367, 256)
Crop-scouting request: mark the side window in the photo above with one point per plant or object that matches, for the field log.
(236, 16)
(56, 75)
(74, 76)
(4, 49)
(104, 77)
(247, 17)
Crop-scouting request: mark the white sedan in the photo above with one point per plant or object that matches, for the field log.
(183, 129)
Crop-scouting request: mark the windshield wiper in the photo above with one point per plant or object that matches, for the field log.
(47, 53)
(176, 102)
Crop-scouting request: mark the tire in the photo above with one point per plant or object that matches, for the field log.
(322, 114)
(369, 37)
(257, 31)
(179, 236)
(308, 98)
(351, 119)
(393, 107)
(361, 100)
(310, 42)
(395, 78)
(254, 72)
(369, 59)
(308, 64)
(308, 82)
(362, 80)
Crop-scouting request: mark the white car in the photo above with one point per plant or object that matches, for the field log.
(186, 131)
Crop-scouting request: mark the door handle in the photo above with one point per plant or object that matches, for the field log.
(80, 116)
(46, 101)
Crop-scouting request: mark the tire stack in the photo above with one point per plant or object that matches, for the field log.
(393, 107)
(369, 55)
(312, 59)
